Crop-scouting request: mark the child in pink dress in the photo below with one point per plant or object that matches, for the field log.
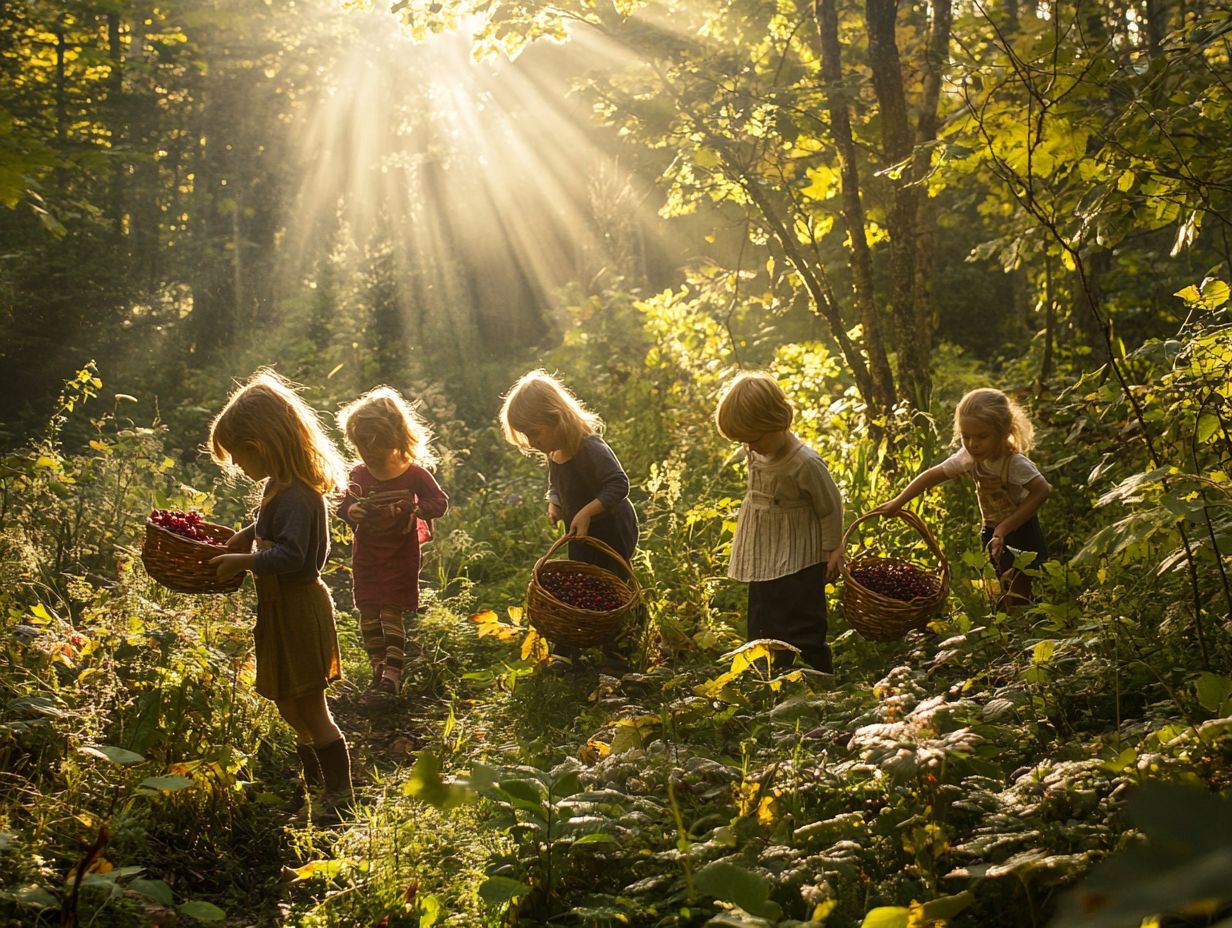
(390, 503)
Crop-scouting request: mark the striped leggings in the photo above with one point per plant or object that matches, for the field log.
(384, 639)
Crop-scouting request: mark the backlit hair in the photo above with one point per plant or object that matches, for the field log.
(539, 400)
(381, 421)
(267, 418)
(1000, 413)
(752, 405)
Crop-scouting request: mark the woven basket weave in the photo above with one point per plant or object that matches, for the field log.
(883, 618)
(181, 564)
(564, 624)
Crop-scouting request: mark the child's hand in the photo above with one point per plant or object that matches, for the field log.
(357, 512)
(240, 543)
(580, 526)
(996, 545)
(555, 514)
(834, 564)
(890, 507)
(228, 565)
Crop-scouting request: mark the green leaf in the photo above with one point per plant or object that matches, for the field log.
(886, 916)
(595, 837)
(1043, 651)
(566, 785)
(32, 896)
(202, 911)
(429, 909)
(1208, 425)
(501, 890)
(425, 783)
(170, 783)
(525, 790)
(157, 890)
(1214, 294)
(111, 753)
(946, 907)
(730, 883)
(1213, 691)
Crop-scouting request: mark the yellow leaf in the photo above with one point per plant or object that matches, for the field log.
(1125, 181)
(99, 446)
(482, 618)
(822, 185)
(535, 648)
(515, 614)
(822, 911)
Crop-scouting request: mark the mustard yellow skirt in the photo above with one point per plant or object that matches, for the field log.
(296, 639)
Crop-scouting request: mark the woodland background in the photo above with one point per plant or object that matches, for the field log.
(886, 203)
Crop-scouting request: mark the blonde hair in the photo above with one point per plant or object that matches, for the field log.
(539, 400)
(1000, 413)
(266, 417)
(752, 405)
(383, 420)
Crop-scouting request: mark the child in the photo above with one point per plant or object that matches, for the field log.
(390, 502)
(587, 487)
(270, 434)
(790, 526)
(995, 435)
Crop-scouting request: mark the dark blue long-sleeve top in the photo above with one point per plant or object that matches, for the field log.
(595, 473)
(295, 521)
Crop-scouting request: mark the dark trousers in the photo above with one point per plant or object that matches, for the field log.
(793, 609)
(1027, 537)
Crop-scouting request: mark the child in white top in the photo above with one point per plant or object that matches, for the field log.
(994, 435)
(790, 526)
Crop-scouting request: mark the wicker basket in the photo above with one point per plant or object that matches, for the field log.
(564, 624)
(181, 564)
(883, 618)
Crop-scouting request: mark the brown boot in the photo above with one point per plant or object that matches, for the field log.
(336, 770)
(313, 777)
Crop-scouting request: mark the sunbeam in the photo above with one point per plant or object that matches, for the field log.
(486, 181)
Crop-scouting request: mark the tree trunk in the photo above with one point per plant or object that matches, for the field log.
(935, 56)
(1050, 318)
(852, 207)
(903, 217)
(116, 117)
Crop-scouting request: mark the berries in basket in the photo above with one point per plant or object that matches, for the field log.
(883, 598)
(577, 603)
(178, 548)
(894, 579)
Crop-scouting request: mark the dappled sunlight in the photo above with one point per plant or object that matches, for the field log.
(484, 179)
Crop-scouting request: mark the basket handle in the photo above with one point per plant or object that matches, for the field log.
(594, 543)
(911, 519)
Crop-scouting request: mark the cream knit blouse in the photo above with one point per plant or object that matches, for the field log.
(791, 517)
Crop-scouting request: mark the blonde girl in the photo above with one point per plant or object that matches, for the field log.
(587, 488)
(790, 526)
(994, 435)
(390, 502)
(268, 432)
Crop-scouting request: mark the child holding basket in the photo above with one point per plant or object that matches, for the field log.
(994, 435)
(267, 431)
(587, 487)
